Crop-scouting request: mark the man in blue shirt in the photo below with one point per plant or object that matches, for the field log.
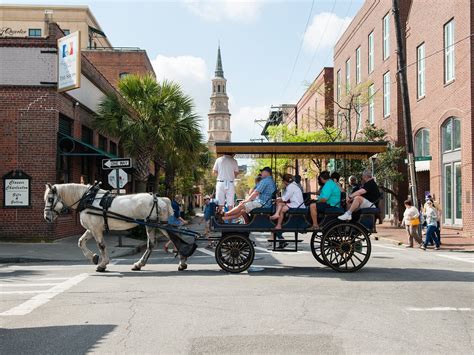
(330, 197)
(260, 197)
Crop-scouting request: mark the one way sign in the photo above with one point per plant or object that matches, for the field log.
(124, 163)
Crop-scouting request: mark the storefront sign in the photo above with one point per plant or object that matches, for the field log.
(69, 62)
(16, 190)
(11, 32)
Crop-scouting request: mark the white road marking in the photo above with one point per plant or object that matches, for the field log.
(205, 251)
(42, 298)
(23, 292)
(468, 259)
(438, 309)
(27, 285)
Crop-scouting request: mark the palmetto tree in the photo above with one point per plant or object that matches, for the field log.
(151, 119)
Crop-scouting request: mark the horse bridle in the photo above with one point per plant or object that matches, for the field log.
(53, 202)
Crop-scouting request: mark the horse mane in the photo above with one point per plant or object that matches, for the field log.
(71, 193)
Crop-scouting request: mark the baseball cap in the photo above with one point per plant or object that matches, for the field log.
(207, 197)
(267, 169)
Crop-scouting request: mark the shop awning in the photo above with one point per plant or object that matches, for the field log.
(70, 146)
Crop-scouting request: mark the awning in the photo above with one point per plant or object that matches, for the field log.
(70, 146)
(422, 165)
(338, 150)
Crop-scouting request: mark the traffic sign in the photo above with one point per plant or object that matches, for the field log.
(124, 163)
(118, 178)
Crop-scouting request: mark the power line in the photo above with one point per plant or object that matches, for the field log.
(299, 50)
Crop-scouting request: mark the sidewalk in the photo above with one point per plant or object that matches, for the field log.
(66, 249)
(450, 239)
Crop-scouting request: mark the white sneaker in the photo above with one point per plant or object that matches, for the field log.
(345, 217)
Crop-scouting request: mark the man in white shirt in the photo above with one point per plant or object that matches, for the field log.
(226, 169)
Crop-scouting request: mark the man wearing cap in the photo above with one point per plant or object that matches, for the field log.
(260, 197)
(226, 169)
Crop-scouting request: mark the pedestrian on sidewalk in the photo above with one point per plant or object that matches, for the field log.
(411, 221)
(207, 219)
(431, 216)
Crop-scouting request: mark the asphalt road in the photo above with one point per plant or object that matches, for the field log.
(403, 301)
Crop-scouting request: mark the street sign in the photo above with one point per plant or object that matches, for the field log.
(118, 178)
(124, 163)
(422, 158)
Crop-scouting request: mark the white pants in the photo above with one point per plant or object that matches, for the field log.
(225, 191)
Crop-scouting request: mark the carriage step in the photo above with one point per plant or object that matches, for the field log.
(284, 250)
(286, 240)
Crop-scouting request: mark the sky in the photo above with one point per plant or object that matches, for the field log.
(270, 49)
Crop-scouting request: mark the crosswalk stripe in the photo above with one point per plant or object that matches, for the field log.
(466, 260)
(27, 285)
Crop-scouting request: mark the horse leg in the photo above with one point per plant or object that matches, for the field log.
(151, 234)
(82, 243)
(99, 238)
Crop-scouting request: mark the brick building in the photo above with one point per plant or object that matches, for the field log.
(439, 50)
(46, 134)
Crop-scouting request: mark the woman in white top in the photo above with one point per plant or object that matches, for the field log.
(292, 198)
(411, 220)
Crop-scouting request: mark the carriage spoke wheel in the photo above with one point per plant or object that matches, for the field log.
(235, 253)
(345, 247)
(316, 247)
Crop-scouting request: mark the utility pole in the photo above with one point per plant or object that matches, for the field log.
(297, 167)
(402, 78)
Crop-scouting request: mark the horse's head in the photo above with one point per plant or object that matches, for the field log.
(53, 204)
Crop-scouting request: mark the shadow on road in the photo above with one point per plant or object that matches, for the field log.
(68, 339)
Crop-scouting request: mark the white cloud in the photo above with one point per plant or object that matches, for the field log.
(180, 68)
(242, 122)
(324, 31)
(221, 10)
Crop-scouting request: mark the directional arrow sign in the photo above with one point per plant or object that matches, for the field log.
(108, 164)
(118, 179)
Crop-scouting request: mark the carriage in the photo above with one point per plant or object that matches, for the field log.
(342, 245)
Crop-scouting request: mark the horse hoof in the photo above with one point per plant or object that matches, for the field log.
(95, 259)
(100, 269)
(182, 267)
(136, 268)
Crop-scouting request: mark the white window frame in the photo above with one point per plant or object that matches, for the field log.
(358, 76)
(449, 58)
(348, 76)
(338, 85)
(386, 94)
(370, 58)
(371, 93)
(420, 70)
(386, 36)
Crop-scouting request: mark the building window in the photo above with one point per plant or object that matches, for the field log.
(386, 36)
(102, 143)
(451, 134)
(338, 85)
(87, 135)
(66, 32)
(34, 32)
(371, 53)
(386, 94)
(422, 143)
(371, 94)
(358, 76)
(218, 88)
(113, 148)
(340, 119)
(420, 60)
(449, 51)
(348, 76)
(123, 75)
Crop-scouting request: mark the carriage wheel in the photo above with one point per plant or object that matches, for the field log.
(235, 253)
(345, 247)
(316, 247)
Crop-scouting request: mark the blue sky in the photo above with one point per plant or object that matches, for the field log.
(259, 42)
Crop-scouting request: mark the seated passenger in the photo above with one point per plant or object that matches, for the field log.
(353, 185)
(365, 197)
(330, 197)
(337, 177)
(292, 198)
(260, 197)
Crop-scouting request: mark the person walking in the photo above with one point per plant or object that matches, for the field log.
(207, 219)
(411, 221)
(226, 169)
(432, 226)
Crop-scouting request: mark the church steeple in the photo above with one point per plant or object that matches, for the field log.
(219, 71)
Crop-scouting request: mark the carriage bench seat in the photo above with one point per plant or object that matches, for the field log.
(297, 211)
(374, 211)
(333, 211)
(263, 210)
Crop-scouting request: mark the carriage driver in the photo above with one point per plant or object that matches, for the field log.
(260, 197)
(226, 169)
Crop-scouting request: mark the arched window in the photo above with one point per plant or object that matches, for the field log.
(451, 134)
(218, 88)
(422, 143)
(218, 124)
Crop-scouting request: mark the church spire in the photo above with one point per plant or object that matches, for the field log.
(219, 71)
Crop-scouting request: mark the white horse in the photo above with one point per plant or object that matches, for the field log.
(138, 206)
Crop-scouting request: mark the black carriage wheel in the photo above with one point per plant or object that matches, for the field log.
(316, 247)
(345, 247)
(235, 253)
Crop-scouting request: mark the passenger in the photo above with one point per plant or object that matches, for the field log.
(260, 197)
(336, 177)
(330, 197)
(257, 180)
(226, 169)
(365, 197)
(292, 198)
(353, 185)
(298, 182)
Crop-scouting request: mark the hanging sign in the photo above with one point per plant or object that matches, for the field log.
(69, 62)
(16, 190)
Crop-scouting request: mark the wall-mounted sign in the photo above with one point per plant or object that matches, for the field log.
(69, 62)
(16, 189)
(11, 32)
